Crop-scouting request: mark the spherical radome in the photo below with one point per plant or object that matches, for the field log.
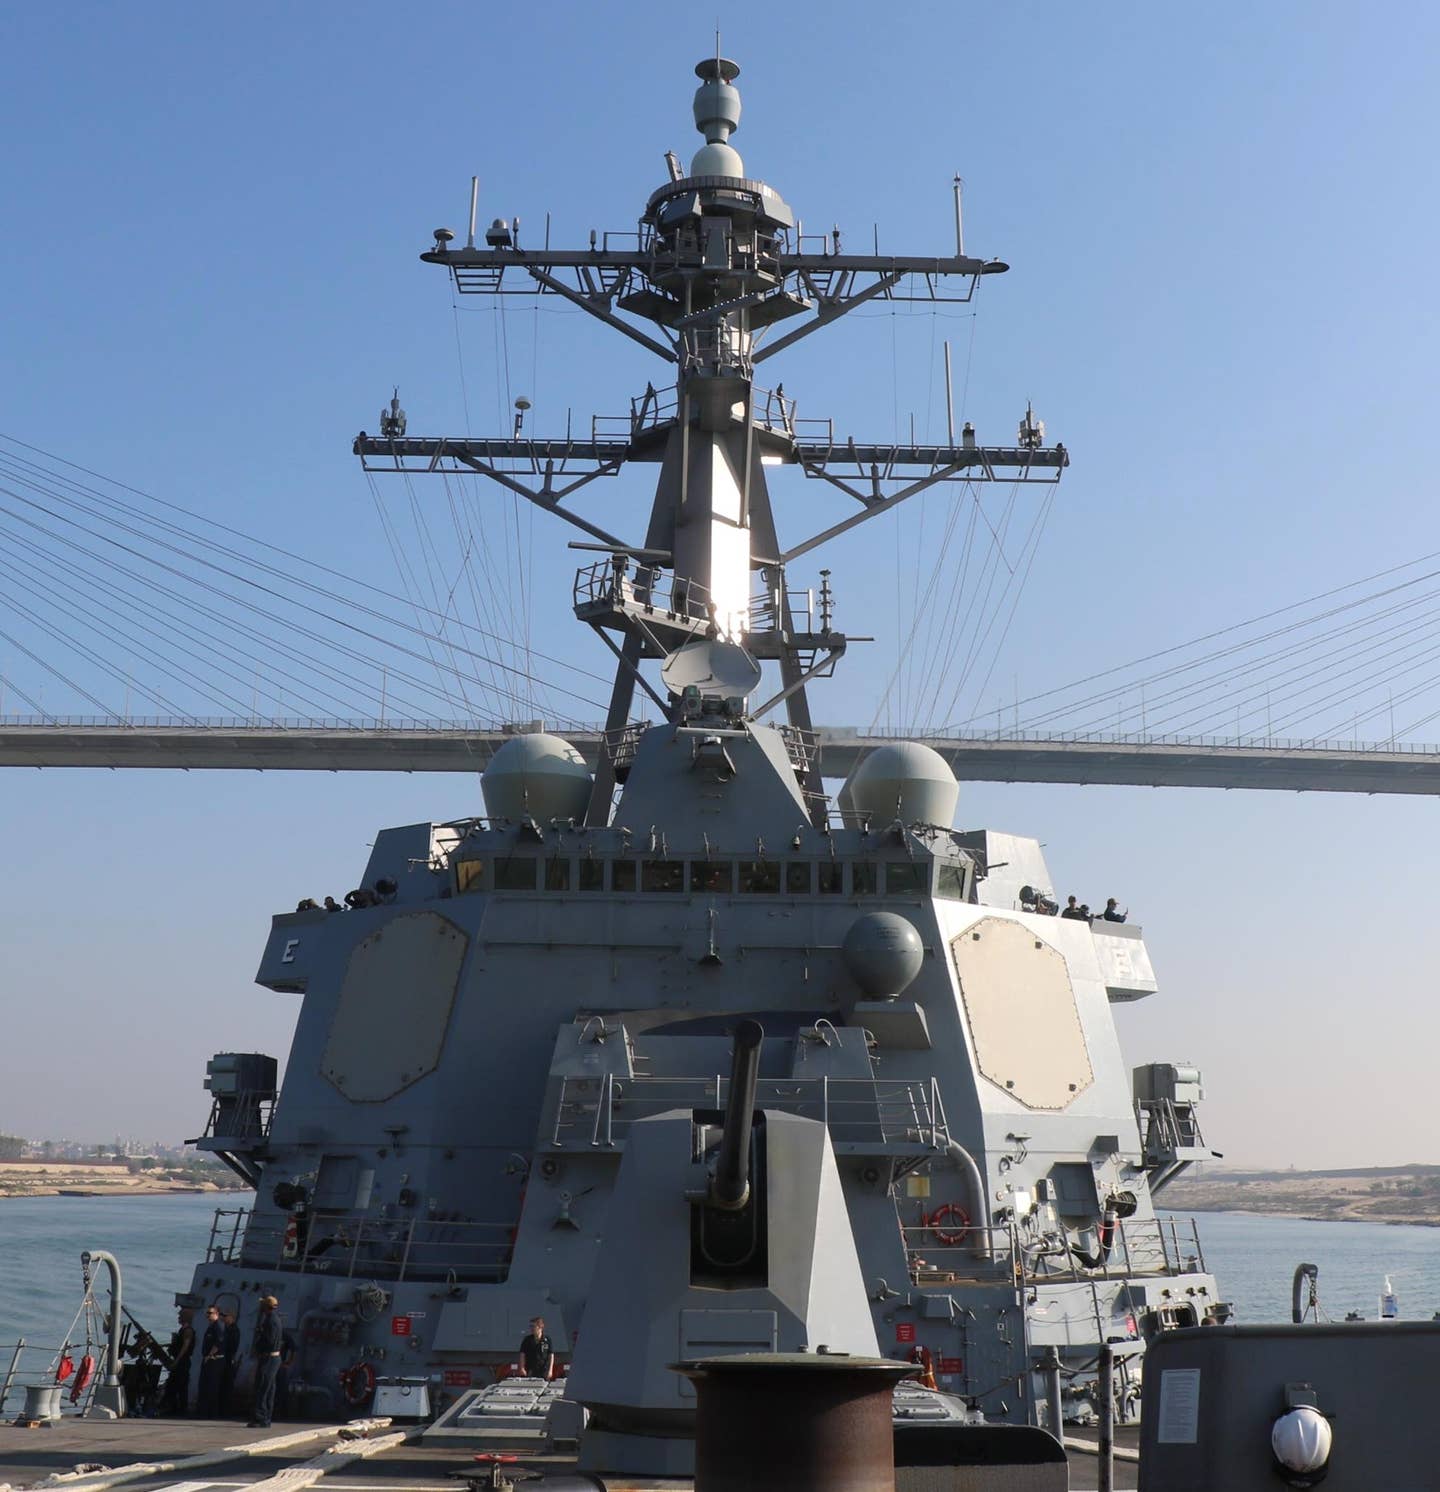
(716, 159)
(536, 776)
(905, 781)
(882, 952)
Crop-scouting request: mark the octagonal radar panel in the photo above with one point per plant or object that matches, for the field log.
(718, 670)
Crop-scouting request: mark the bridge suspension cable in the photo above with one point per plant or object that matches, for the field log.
(136, 590)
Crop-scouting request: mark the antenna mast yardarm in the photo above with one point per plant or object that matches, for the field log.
(718, 265)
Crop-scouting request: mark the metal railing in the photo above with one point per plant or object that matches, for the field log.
(1142, 738)
(243, 1116)
(25, 1364)
(862, 1115)
(1146, 1247)
(802, 746)
(838, 735)
(289, 722)
(354, 1246)
(1167, 1127)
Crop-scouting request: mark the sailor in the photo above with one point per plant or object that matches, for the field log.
(182, 1350)
(140, 1375)
(1112, 913)
(331, 905)
(537, 1353)
(265, 1348)
(307, 904)
(1074, 913)
(212, 1365)
(1085, 914)
(230, 1359)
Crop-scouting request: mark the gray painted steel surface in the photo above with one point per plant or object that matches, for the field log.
(507, 1084)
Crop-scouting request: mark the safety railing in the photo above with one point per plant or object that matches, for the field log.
(244, 1116)
(1167, 1128)
(648, 588)
(25, 1364)
(803, 746)
(292, 722)
(946, 1247)
(837, 735)
(862, 1115)
(354, 1246)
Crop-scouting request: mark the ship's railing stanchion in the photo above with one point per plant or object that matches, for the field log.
(10, 1371)
(1106, 1395)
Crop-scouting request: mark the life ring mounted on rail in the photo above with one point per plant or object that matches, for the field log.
(949, 1223)
(357, 1383)
(83, 1374)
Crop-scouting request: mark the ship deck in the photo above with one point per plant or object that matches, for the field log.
(238, 1458)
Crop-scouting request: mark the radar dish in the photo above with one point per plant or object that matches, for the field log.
(719, 670)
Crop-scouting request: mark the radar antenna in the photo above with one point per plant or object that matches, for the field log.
(718, 265)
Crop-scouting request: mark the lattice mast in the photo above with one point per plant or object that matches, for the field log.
(717, 266)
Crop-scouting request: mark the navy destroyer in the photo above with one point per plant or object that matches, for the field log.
(671, 1049)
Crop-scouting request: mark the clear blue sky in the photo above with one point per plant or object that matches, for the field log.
(1220, 222)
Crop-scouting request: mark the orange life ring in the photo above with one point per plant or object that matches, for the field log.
(357, 1382)
(65, 1367)
(951, 1212)
(290, 1244)
(83, 1375)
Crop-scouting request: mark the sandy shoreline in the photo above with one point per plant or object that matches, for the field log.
(1402, 1195)
(91, 1179)
(144, 1189)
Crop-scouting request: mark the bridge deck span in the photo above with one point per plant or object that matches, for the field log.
(978, 759)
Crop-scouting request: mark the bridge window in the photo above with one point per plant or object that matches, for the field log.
(622, 876)
(469, 875)
(760, 877)
(515, 874)
(592, 875)
(557, 874)
(907, 878)
(711, 875)
(797, 877)
(951, 882)
(863, 878)
(663, 875)
(831, 878)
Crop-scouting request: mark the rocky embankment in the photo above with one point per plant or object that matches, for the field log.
(1390, 1194)
(103, 1179)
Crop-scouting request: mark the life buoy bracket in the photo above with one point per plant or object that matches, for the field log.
(357, 1383)
(949, 1223)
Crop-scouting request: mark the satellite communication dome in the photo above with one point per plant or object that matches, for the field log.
(536, 776)
(883, 953)
(905, 781)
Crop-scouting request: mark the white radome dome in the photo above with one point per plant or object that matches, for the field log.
(536, 776)
(905, 781)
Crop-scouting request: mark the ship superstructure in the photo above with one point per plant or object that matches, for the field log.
(519, 1046)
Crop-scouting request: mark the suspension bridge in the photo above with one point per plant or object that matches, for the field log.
(242, 655)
